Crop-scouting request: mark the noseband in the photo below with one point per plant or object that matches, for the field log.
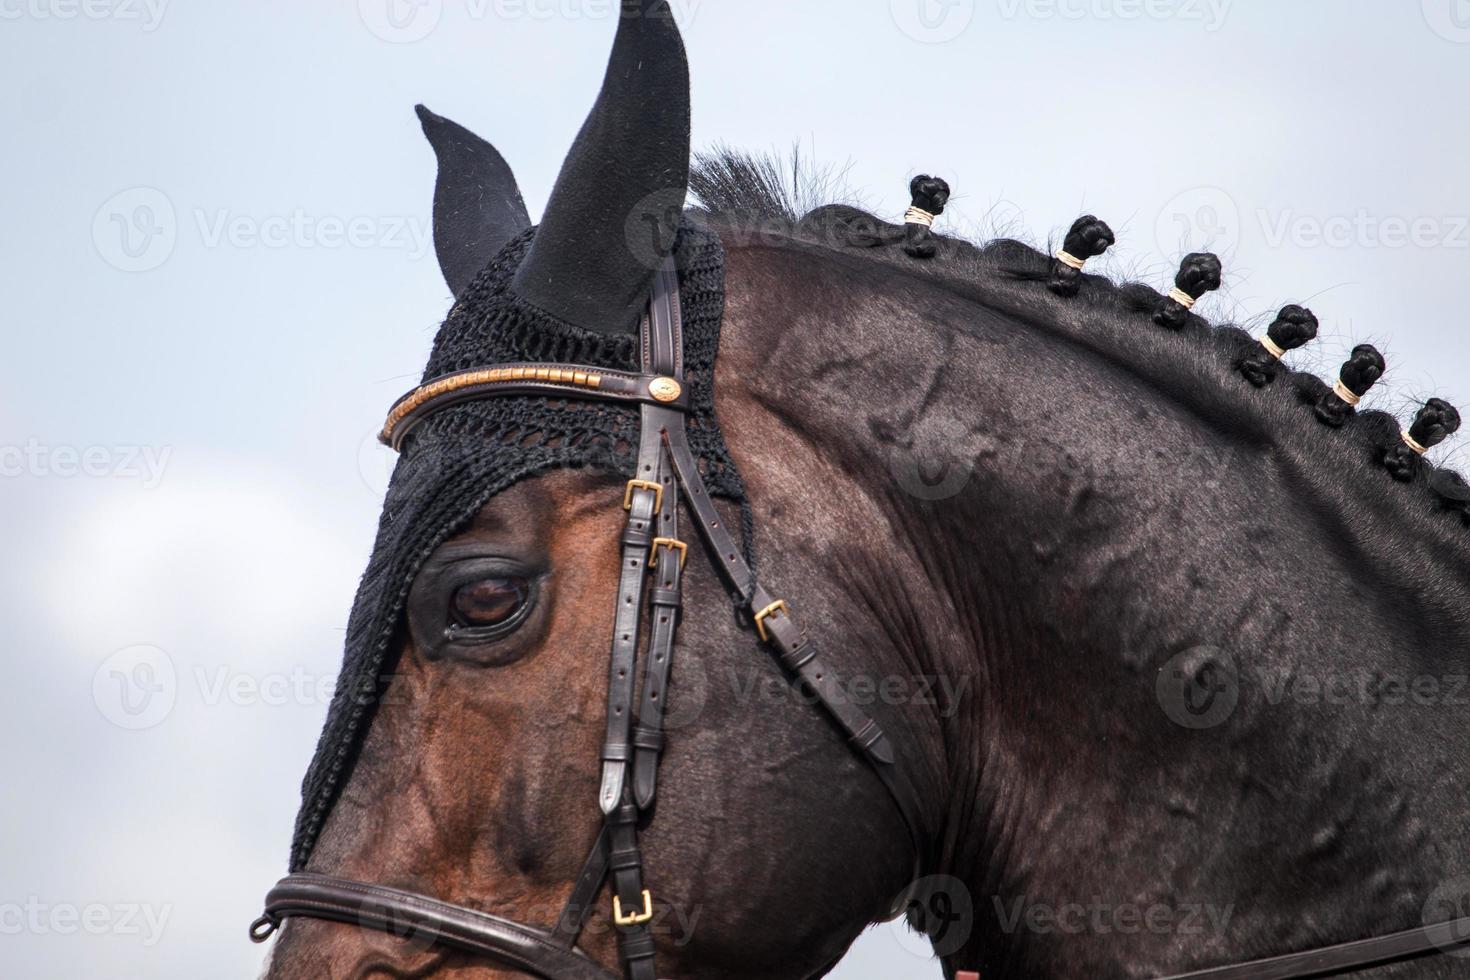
(634, 741)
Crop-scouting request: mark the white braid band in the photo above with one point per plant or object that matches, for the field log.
(1413, 444)
(1346, 394)
(918, 216)
(1067, 258)
(1182, 298)
(1273, 348)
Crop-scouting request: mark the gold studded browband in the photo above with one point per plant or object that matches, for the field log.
(546, 380)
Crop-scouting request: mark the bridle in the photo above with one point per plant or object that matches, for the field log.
(666, 473)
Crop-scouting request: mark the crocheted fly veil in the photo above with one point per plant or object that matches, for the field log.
(461, 456)
(570, 292)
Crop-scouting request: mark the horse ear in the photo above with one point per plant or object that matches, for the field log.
(616, 207)
(477, 205)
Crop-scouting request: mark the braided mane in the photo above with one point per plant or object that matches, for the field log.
(1221, 370)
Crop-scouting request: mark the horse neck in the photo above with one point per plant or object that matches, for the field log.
(1078, 536)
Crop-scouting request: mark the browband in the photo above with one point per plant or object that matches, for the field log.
(537, 380)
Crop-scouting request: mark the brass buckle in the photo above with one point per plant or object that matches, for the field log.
(673, 544)
(760, 618)
(657, 488)
(633, 918)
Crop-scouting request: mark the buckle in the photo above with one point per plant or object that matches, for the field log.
(657, 488)
(633, 918)
(760, 618)
(673, 544)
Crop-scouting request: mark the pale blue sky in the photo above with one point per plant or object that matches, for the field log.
(216, 276)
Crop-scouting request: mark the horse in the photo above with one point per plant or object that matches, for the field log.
(1128, 651)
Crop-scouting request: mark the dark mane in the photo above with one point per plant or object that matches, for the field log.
(761, 200)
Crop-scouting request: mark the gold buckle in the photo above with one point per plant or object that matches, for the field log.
(760, 617)
(673, 544)
(633, 918)
(657, 488)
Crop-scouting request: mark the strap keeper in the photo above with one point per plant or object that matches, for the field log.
(625, 858)
(799, 656)
(666, 598)
(648, 738)
(867, 736)
(616, 752)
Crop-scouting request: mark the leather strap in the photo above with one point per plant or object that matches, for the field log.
(536, 380)
(413, 916)
(578, 909)
(1344, 958)
(638, 535)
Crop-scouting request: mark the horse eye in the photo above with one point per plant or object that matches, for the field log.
(490, 601)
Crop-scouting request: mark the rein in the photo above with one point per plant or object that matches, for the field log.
(633, 743)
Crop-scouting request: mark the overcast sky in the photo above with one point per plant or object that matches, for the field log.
(217, 274)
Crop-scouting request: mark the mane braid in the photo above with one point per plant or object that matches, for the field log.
(745, 196)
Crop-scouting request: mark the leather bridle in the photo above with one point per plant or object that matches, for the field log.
(667, 474)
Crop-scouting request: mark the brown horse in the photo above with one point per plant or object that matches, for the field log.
(1169, 642)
